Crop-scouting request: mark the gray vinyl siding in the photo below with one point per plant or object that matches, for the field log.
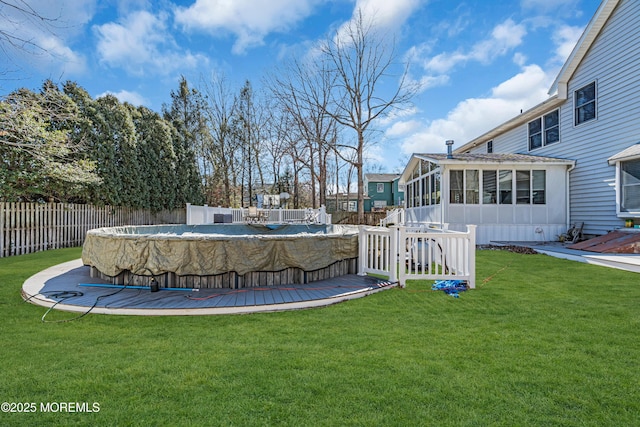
(613, 62)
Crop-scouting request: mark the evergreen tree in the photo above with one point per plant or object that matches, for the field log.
(40, 159)
(185, 114)
(157, 159)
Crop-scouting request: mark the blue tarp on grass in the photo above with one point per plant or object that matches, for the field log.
(450, 287)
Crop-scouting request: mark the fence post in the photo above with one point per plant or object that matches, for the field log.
(188, 213)
(471, 229)
(362, 250)
(322, 217)
(402, 255)
(393, 253)
(2, 209)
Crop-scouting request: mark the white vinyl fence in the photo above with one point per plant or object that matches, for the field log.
(395, 216)
(429, 253)
(207, 215)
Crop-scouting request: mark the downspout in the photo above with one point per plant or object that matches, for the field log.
(449, 143)
(443, 191)
(568, 196)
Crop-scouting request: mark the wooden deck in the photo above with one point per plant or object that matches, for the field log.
(69, 287)
(625, 241)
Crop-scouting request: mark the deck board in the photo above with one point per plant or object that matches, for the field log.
(83, 291)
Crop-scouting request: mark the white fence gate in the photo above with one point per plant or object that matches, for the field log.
(428, 253)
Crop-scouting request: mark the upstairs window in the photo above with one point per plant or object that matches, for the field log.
(551, 127)
(585, 103)
(490, 147)
(535, 134)
(380, 188)
(544, 130)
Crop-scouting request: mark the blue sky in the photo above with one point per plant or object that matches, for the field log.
(480, 61)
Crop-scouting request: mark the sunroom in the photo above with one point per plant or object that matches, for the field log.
(627, 164)
(510, 197)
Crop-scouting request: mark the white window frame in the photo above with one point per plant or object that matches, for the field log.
(543, 130)
(420, 186)
(512, 189)
(576, 106)
(380, 187)
(619, 212)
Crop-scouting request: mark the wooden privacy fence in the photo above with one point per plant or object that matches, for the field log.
(370, 218)
(403, 253)
(32, 227)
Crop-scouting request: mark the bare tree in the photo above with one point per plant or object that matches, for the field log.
(16, 16)
(221, 106)
(362, 59)
(304, 92)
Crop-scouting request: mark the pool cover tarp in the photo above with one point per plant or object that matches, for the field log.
(211, 250)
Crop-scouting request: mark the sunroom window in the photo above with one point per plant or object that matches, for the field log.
(490, 187)
(456, 193)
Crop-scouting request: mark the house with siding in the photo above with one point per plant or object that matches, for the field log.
(573, 159)
(382, 191)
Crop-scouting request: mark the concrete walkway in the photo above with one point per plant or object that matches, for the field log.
(628, 262)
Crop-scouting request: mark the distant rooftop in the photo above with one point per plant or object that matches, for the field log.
(382, 177)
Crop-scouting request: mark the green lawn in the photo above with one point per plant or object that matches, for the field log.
(540, 342)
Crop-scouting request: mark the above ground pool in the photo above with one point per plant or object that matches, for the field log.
(221, 255)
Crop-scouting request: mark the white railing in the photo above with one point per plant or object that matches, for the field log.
(395, 216)
(207, 215)
(423, 253)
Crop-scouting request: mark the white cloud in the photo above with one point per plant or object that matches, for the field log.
(403, 128)
(504, 37)
(386, 14)
(472, 117)
(383, 16)
(548, 5)
(132, 98)
(42, 34)
(249, 21)
(565, 38)
(141, 43)
(69, 60)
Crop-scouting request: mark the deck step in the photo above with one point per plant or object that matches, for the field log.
(615, 242)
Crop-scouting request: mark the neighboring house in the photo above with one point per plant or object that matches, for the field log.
(343, 202)
(382, 190)
(573, 159)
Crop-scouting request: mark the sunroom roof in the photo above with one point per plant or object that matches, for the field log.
(478, 159)
(626, 154)
(492, 158)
